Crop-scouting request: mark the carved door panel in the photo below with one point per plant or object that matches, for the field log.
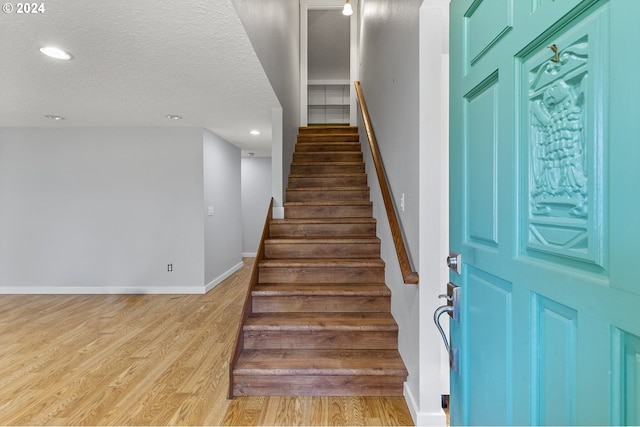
(545, 195)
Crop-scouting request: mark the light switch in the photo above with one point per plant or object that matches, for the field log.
(210, 211)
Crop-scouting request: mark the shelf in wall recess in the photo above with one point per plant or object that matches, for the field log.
(328, 101)
(325, 82)
(330, 105)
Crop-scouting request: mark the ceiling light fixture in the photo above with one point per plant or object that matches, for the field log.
(347, 10)
(255, 132)
(54, 52)
(52, 117)
(173, 117)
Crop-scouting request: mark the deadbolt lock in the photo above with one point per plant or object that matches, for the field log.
(454, 262)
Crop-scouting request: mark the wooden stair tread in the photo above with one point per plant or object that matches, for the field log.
(325, 163)
(345, 147)
(322, 240)
(320, 137)
(325, 188)
(328, 143)
(330, 174)
(325, 153)
(328, 226)
(358, 322)
(328, 135)
(322, 262)
(324, 129)
(350, 220)
(330, 203)
(320, 362)
(336, 138)
(326, 175)
(335, 175)
(304, 289)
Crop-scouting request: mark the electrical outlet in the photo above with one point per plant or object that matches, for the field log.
(402, 203)
(169, 267)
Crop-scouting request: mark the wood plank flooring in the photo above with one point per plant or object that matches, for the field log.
(146, 360)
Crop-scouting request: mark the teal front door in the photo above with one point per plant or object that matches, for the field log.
(545, 211)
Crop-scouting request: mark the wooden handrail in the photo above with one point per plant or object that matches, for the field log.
(409, 276)
(246, 308)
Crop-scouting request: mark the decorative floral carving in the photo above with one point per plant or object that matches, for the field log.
(559, 185)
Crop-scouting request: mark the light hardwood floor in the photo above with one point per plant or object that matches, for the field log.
(146, 360)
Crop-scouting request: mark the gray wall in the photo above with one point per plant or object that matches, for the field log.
(256, 193)
(273, 26)
(328, 45)
(389, 72)
(104, 210)
(223, 229)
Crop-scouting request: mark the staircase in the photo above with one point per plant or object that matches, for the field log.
(320, 322)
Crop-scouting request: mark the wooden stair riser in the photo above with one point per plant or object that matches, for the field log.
(327, 304)
(335, 248)
(318, 385)
(320, 372)
(312, 228)
(327, 156)
(344, 137)
(344, 180)
(321, 274)
(314, 130)
(327, 168)
(320, 340)
(315, 147)
(312, 195)
(328, 211)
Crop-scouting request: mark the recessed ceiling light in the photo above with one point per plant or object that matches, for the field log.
(255, 132)
(54, 52)
(173, 117)
(52, 117)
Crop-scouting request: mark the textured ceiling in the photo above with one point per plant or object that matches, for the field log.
(133, 63)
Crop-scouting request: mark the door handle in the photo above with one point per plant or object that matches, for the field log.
(453, 309)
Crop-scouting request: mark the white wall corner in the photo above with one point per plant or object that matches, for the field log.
(277, 180)
(215, 282)
(278, 212)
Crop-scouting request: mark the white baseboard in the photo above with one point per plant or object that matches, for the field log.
(98, 290)
(432, 419)
(249, 254)
(117, 290)
(411, 403)
(223, 276)
(438, 418)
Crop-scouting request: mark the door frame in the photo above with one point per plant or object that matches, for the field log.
(434, 211)
(305, 6)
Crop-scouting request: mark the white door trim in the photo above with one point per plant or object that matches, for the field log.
(305, 6)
